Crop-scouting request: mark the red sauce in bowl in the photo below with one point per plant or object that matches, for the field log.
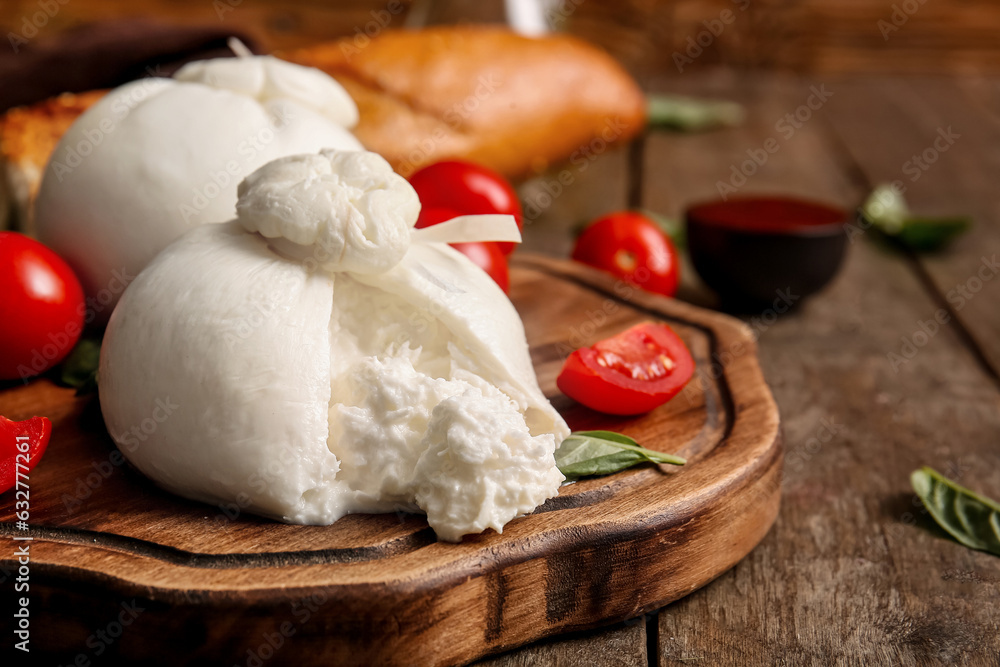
(769, 215)
(749, 248)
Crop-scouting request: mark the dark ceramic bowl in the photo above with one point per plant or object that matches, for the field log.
(758, 251)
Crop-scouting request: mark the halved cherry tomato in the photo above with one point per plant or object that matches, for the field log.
(628, 374)
(484, 254)
(21, 446)
(632, 247)
(468, 189)
(41, 307)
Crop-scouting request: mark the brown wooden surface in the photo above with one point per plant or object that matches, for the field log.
(854, 572)
(606, 549)
(804, 36)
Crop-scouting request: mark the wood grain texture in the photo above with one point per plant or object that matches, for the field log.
(854, 573)
(936, 138)
(806, 35)
(605, 550)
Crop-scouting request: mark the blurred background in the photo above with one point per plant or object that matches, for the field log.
(905, 57)
(815, 36)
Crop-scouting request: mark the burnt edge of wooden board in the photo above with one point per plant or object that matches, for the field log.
(575, 539)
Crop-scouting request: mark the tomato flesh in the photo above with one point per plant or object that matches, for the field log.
(628, 374)
(41, 309)
(468, 189)
(632, 247)
(21, 447)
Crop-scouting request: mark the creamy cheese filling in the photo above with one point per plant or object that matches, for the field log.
(326, 359)
(415, 428)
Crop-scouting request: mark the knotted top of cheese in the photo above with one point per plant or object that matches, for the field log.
(268, 78)
(347, 210)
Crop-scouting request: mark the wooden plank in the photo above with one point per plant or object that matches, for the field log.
(809, 35)
(853, 572)
(940, 140)
(622, 645)
(556, 203)
(284, 25)
(560, 202)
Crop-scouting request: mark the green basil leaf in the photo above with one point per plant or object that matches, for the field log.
(970, 518)
(932, 233)
(687, 114)
(79, 370)
(887, 211)
(603, 465)
(591, 453)
(672, 227)
(619, 438)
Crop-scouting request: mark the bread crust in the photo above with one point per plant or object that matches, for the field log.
(28, 135)
(514, 103)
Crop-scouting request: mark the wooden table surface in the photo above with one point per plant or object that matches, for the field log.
(854, 572)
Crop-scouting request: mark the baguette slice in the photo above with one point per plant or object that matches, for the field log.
(514, 103)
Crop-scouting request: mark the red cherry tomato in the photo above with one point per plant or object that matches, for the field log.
(41, 310)
(485, 255)
(628, 374)
(488, 257)
(632, 247)
(469, 189)
(21, 446)
(432, 215)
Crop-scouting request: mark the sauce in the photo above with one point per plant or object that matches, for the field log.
(769, 215)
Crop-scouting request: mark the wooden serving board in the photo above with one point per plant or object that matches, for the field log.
(198, 583)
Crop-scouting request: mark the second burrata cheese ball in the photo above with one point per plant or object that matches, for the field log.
(159, 156)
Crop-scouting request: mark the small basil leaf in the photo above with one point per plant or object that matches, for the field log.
(619, 438)
(80, 368)
(932, 233)
(622, 441)
(589, 453)
(968, 517)
(886, 209)
(672, 227)
(687, 114)
(603, 465)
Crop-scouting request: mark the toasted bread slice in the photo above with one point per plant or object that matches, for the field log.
(28, 135)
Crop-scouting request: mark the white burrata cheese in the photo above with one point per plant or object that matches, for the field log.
(317, 359)
(158, 156)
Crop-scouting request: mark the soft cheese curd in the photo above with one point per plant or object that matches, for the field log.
(325, 358)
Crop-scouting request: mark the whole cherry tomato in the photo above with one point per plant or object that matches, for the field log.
(632, 247)
(487, 256)
(628, 374)
(468, 189)
(41, 309)
(432, 215)
(484, 254)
